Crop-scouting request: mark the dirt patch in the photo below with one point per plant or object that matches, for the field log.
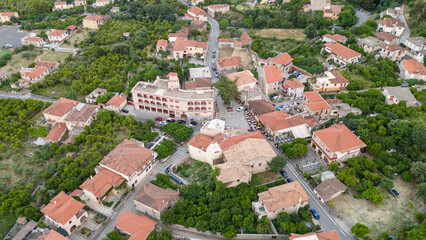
(282, 33)
(389, 217)
(76, 38)
(243, 53)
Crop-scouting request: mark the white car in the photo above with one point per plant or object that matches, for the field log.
(240, 109)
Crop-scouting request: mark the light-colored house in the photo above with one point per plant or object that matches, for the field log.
(57, 35)
(213, 127)
(130, 160)
(5, 16)
(200, 72)
(59, 5)
(315, 104)
(417, 45)
(152, 199)
(393, 26)
(33, 75)
(59, 109)
(197, 14)
(195, 2)
(188, 48)
(330, 235)
(412, 69)
(332, 11)
(215, 8)
(161, 45)
(35, 41)
(273, 80)
(394, 95)
(102, 3)
(80, 116)
(287, 198)
(91, 98)
(336, 143)
(65, 212)
(370, 44)
(80, 3)
(385, 37)
(97, 187)
(93, 22)
(330, 82)
(341, 54)
(280, 125)
(205, 148)
(51, 66)
(138, 227)
(198, 25)
(392, 12)
(244, 80)
(293, 88)
(283, 62)
(116, 103)
(393, 52)
(229, 64)
(329, 189)
(3, 76)
(333, 38)
(315, 5)
(164, 96)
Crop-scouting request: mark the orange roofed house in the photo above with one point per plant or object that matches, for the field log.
(229, 64)
(51, 235)
(273, 80)
(57, 35)
(188, 48)
(393, 26)
(412, 69)
(331, 235)
(116, 103)
(244, 80)
(96, 188)
(152, 199)
(341, 54)
(33, 75)
(333, 38)
(65, 212)
(197, 14)
(93, 22)
(35, 41)
(293, 88)
(161, 45)
(315, 104)
(288, 198)
(5, 16)
(283, 62)
(138, 227)
(130, 160)
(336, 143)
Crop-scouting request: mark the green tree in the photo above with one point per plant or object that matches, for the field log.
(310, 31)
(347, 17)
(333, 166)
(228, 90)
(262, 226)
(229, 232)
(419, 170)
(165, 234)
(348, 176)
(374, 195)
(421, 189)
(277, 163)
(360, 230)
(115, 235)
(386, 183)
(223, 23)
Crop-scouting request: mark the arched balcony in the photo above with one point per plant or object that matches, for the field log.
(190, 103)
(203, 103)
(190, 109)
(164, 100)
(158, 99)
(203, 109)
(197, 109)
(139, 95)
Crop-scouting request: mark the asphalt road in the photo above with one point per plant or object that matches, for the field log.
(214, 32)
(407, 32)
(326, 221)
(11, 35)
(362, 17)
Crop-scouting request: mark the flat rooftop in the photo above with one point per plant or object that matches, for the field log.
(202, 72)
(160, 88)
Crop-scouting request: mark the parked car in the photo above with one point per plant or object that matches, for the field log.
(125, 110)
(394, 192)
(236, 27)
(9, 45)
(175, 178)
(181, 121)
(168, 169)
(289, 180)
(222, 118)
(284, 173)
(216, 74)
(158, 119)
(194, 123)
(315, 214)
(213, 61)
(214, 50)
(240, 109)
(214, 56)
(130, 102)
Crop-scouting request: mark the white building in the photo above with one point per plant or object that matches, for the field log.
(393, 26)
(412, 69)
(57, 35)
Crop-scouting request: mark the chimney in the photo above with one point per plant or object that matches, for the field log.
(54, 201)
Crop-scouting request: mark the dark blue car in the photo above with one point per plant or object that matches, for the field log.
(315, 214)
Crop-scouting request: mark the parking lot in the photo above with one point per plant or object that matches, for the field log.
(11, 35)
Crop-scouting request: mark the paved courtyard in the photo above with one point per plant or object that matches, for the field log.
(11, 35)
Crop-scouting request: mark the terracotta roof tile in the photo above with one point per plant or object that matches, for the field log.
(52, 235)
(128, 157)
(280, 120)
(72, 27)
(242, 78)
(217, 6)
(139, 227)
(56, 132)
(81, 113)
(384, 36)
(272, 74)
(57, 33)
(283, 58)
(156, 197)
(197, 11)
(338, 78)
(329, 187)
(61, 107)
(333, 101)
(200, 141)
(95, 18)
(199, 83)
(316, 102)
(8, 14)
(338, 138)
(35, 72)
(245, 39)
(162, 43)
(330, 235)
(230, 61)
(342, 51)
(181, 43)
(47, 64)
(260, 107)
(248, 149)
(229, 142)
(62, 208)
(283, 196)
(33, 39)
(117, 100)
(102, 182)
(392, 22)
(293, 83)
(393, 48)
(413, 66)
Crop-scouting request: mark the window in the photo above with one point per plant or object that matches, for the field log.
(176, 101)
(260, 164)
(70, 222)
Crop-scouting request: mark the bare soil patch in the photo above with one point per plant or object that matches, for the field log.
(243, 53)
(389, 217)
(282, 33)
(76, 38)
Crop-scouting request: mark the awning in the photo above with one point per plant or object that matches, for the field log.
(300, 131)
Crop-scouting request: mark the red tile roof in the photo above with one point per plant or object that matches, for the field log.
(335, 37)
(261, 106)
(56, 33)
(330, 235)
(47, 64)
(280, 120)
(8, 14)
(178, 35)
(200, 141)
(95, 18)
(199, 83)
(156, 197)
(33, 39)
(102, 182)
(230, 61)
(61, 107)
(272, 74)
(384, 36)
(283, 59)
(72, 27)
(117, 100)
(197, 11)
(56, 132)
(293, 83)
(128, 157)
(231, 141)
(60, 3)
(392, 22)
(52, 235)
(139, 227)
(181, 43)
(245, 39)
(283, 196)
(162, 43)
(413, 66)
(342, 51)
(35, 72)
(242, 78)
(338, 78)
(338, 138)
(172, 74)
(316, 102)
(62, 208)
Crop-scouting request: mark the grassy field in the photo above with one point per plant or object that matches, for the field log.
(389, 217)
(194, 170)
(264, 177)
(4, 52)
(296, 34)
(76, 38)
(57, 91)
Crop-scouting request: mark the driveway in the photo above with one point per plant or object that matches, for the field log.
(362, 17)
(406, 33)
(11, 35)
